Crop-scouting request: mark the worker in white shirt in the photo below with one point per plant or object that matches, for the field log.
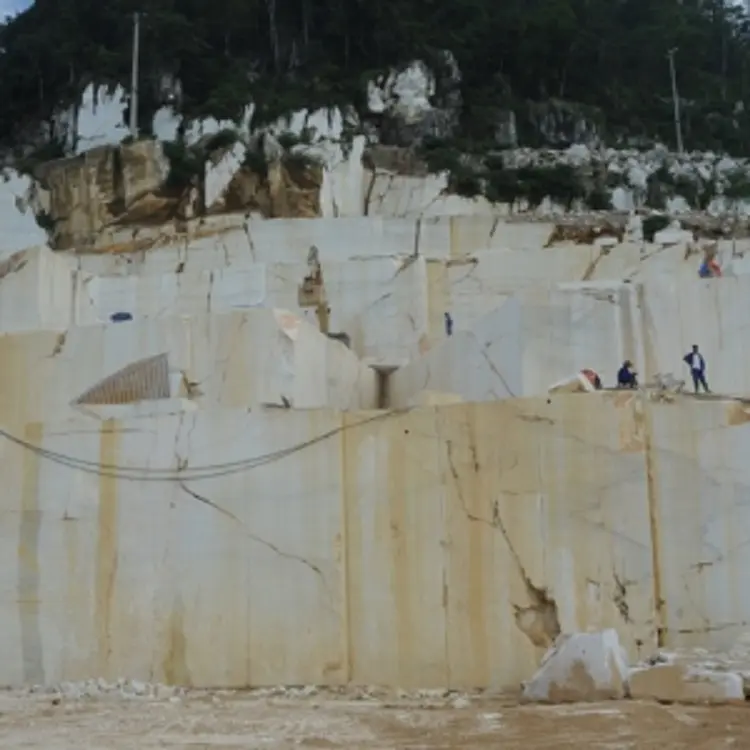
(694, 360)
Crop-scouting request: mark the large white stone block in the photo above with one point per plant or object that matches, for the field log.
(683, 683)
(581, 667)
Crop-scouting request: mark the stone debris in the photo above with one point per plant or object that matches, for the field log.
(99, 687)
(581, 667)
(736, 660)
(668, 382)
(673, 235)
(125, 689)
(577, 383)
(586, 667)
(683, 683)
(606, 242)
(665, 387)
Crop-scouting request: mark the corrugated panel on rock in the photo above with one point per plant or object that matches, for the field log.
(144, 380)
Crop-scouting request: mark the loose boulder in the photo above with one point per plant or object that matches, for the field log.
(581, 667)
(582, 382)
(683, 683)
(674, 234)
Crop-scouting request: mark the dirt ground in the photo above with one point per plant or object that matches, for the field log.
(222, 719)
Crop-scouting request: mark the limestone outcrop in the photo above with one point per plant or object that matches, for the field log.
(78, 196)
(138, 184)
(290, 188)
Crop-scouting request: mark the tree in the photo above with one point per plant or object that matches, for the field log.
(604, 55)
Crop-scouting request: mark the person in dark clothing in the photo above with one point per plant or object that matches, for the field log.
(694, 360)
(626, 376)
(448, 324)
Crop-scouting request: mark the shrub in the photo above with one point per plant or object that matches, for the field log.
(223, 139)
(255, 161)
(599, 200)
(185, 164)
(465, 182)
(653, 224)
(738, 185)
(503, 185)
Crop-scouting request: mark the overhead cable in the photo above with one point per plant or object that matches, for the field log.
(211, 471)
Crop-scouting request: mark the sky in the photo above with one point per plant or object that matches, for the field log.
(11, 7)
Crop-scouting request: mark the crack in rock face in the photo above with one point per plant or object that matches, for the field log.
(539, 621)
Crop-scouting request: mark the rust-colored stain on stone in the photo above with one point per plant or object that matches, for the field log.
(737, 413)
(631, 424)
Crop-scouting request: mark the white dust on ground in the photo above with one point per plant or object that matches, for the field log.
(131, 715)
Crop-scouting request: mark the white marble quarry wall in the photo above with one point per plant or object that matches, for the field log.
(389, 194)
(186, 293)
(699, 462)
(473, 287)
(529, 342)
(20, 227)
(362, 293)
(712, 313)
(140, 578)
(394, 328)
(465, 365)
(541, 335)
(239, 359)
(36, 290)
(342, 193)
(232, 240)
(220, 241)
(381, 303)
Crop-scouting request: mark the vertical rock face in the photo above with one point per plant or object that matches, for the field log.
(144, 169)
(83, 194)
(289, 189)
(415, 102)
(79, 197)
(79, 190)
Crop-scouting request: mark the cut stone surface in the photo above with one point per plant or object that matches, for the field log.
(673, 235)
(580, 667)
(682, 683)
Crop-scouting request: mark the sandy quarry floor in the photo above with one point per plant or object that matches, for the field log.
(207, 720)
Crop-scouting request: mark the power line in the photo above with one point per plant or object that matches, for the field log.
(134, 75)
(675, 100)
(211, 471)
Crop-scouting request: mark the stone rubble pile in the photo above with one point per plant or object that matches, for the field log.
(588, 667)
(126, 689)
(580, 667)
(634, 164)
(122, 688)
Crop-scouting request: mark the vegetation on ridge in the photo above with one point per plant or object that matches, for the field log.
(606, 57)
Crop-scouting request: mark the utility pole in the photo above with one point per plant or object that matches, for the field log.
(675, 100)
(134, 76)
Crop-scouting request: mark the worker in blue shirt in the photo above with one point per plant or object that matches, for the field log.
(626, 376)
(694, 360)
